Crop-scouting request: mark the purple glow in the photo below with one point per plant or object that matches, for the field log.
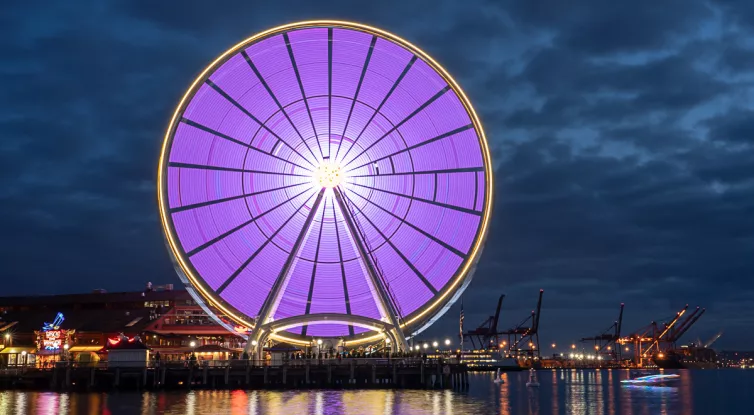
(241, 160)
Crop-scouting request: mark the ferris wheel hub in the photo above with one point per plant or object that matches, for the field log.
(328, 175)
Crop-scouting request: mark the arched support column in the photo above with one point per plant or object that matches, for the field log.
(264, 332)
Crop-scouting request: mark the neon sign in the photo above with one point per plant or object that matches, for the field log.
(241, 329)
(114, 341)
(53, 339)
(55, 325)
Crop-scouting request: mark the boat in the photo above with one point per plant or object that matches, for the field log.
(533, 382)
(489, 360)
(686, 358)
(498, 377)
(651, 380)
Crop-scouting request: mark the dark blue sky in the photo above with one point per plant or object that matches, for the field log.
(622, 136)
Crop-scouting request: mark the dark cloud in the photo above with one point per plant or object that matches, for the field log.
(622, 138)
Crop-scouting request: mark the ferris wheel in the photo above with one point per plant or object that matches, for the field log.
(325, 179)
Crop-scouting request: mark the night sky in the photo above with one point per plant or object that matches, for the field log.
(622, 137)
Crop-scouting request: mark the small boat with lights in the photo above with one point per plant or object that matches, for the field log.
(651, 380)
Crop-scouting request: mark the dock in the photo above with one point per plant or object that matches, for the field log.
(240, 374)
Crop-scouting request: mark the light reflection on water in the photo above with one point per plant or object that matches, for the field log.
(561, 392)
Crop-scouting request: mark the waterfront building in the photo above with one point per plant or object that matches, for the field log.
(41, 330)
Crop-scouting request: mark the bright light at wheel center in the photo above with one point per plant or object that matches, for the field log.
(328, 175)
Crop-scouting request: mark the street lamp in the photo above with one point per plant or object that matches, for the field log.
(434, 344)
(425, 345)
(192, 344)
(447, 342)
(319, 342)
(23, 358)
(573, 346)
(553, 345)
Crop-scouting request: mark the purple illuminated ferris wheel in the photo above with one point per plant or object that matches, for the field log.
(325, 180)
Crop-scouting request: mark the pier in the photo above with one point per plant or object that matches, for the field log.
(240, 374)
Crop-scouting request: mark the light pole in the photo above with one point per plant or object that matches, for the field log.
(23, 358)
(434, 344)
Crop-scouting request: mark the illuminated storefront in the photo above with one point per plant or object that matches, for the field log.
(53, 342)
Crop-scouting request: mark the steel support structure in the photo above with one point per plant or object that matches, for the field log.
(265, 327)
(382, 295)
(273, 299)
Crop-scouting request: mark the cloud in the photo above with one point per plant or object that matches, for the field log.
(621, 136)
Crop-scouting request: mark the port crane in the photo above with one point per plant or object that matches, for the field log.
(684, 326)
(659, 338)
(528, 337)
(606, 343)
(486, 334)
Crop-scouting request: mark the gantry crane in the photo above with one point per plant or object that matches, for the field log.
(486, 333)
(606, 343)
(522, 339)
(682, 327)
(655, 338)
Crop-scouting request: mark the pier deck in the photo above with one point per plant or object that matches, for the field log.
(240, 374)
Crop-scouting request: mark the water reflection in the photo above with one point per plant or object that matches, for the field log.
(561, 392)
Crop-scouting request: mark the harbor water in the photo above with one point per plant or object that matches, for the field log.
(560, 392)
